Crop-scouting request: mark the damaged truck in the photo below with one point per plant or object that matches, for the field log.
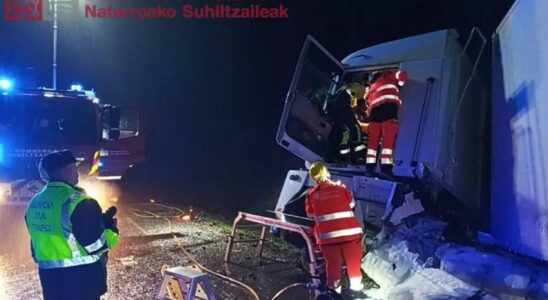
(474, 160)
(440, 153)
(441, 157)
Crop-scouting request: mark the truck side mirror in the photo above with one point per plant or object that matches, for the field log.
(111, 122)
(113, 134)
(114, 123)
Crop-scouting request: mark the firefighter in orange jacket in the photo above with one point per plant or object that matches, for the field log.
(338, 233)
(383, 101)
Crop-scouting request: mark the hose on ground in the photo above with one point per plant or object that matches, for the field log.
(149, 214)
(285, 289)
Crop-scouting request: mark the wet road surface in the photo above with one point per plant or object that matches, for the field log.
(146, 245)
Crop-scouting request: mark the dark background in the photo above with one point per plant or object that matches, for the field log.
(211, 92)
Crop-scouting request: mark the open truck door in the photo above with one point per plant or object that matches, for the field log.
(439, 151)
(304, 128)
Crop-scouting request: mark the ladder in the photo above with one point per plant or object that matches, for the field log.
(185, 283)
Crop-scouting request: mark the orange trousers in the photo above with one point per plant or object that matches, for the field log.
(388, 130)
(334, 254)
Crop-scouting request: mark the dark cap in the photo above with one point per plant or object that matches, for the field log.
(56, 160)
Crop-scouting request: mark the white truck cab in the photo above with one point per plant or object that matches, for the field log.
(440, 146)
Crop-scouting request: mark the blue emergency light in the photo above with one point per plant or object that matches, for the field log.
(5, 84)
(76, 87)
(1, 153)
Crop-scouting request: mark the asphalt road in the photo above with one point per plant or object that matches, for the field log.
(146, 245)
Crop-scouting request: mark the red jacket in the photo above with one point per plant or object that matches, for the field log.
(386, 89)
(331, 205)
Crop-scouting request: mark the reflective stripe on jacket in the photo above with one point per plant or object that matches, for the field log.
(48, 221)
(331, 205)
(386, 89)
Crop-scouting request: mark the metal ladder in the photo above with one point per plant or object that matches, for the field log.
(185, 283)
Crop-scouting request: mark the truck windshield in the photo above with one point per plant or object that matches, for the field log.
(37, 120)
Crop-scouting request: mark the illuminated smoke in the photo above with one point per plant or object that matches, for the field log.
(4, 191)
(106, 193)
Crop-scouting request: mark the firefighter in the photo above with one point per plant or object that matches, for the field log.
(356, 91)
(337, 231)
(383, 102)
(70, 236)
(346, 131)
(360, 111)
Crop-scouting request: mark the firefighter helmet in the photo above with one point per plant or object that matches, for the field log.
(318, 171)
(355, 90)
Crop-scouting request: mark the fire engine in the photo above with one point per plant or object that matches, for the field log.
(34, 122)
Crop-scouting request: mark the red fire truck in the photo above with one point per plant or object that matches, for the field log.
(106, 139)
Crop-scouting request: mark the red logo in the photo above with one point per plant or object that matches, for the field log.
(23, 10)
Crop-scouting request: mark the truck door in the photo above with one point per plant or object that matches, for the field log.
(304, 127)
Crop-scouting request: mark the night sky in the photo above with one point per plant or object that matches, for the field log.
(211, 92)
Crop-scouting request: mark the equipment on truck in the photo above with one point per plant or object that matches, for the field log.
(35, 122)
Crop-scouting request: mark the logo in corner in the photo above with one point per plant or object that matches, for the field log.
(41, 10)
(23, 10)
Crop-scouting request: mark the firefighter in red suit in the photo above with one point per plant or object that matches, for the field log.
(383, 101)
(338, 233)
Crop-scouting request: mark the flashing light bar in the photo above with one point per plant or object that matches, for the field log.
(109, 177)
(6, 84)
(76, 87)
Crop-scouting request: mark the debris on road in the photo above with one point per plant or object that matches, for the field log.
(128, 261)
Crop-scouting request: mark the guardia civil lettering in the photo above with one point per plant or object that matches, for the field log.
(42, 205)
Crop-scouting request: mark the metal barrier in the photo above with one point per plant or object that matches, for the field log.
(303, 230)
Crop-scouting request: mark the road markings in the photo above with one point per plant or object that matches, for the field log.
(141, 229)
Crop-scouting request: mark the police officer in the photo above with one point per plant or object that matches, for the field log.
(70, 236)
(338, 232)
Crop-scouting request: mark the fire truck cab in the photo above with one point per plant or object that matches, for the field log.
(34, 122)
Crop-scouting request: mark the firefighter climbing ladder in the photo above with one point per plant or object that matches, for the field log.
(303, 230)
